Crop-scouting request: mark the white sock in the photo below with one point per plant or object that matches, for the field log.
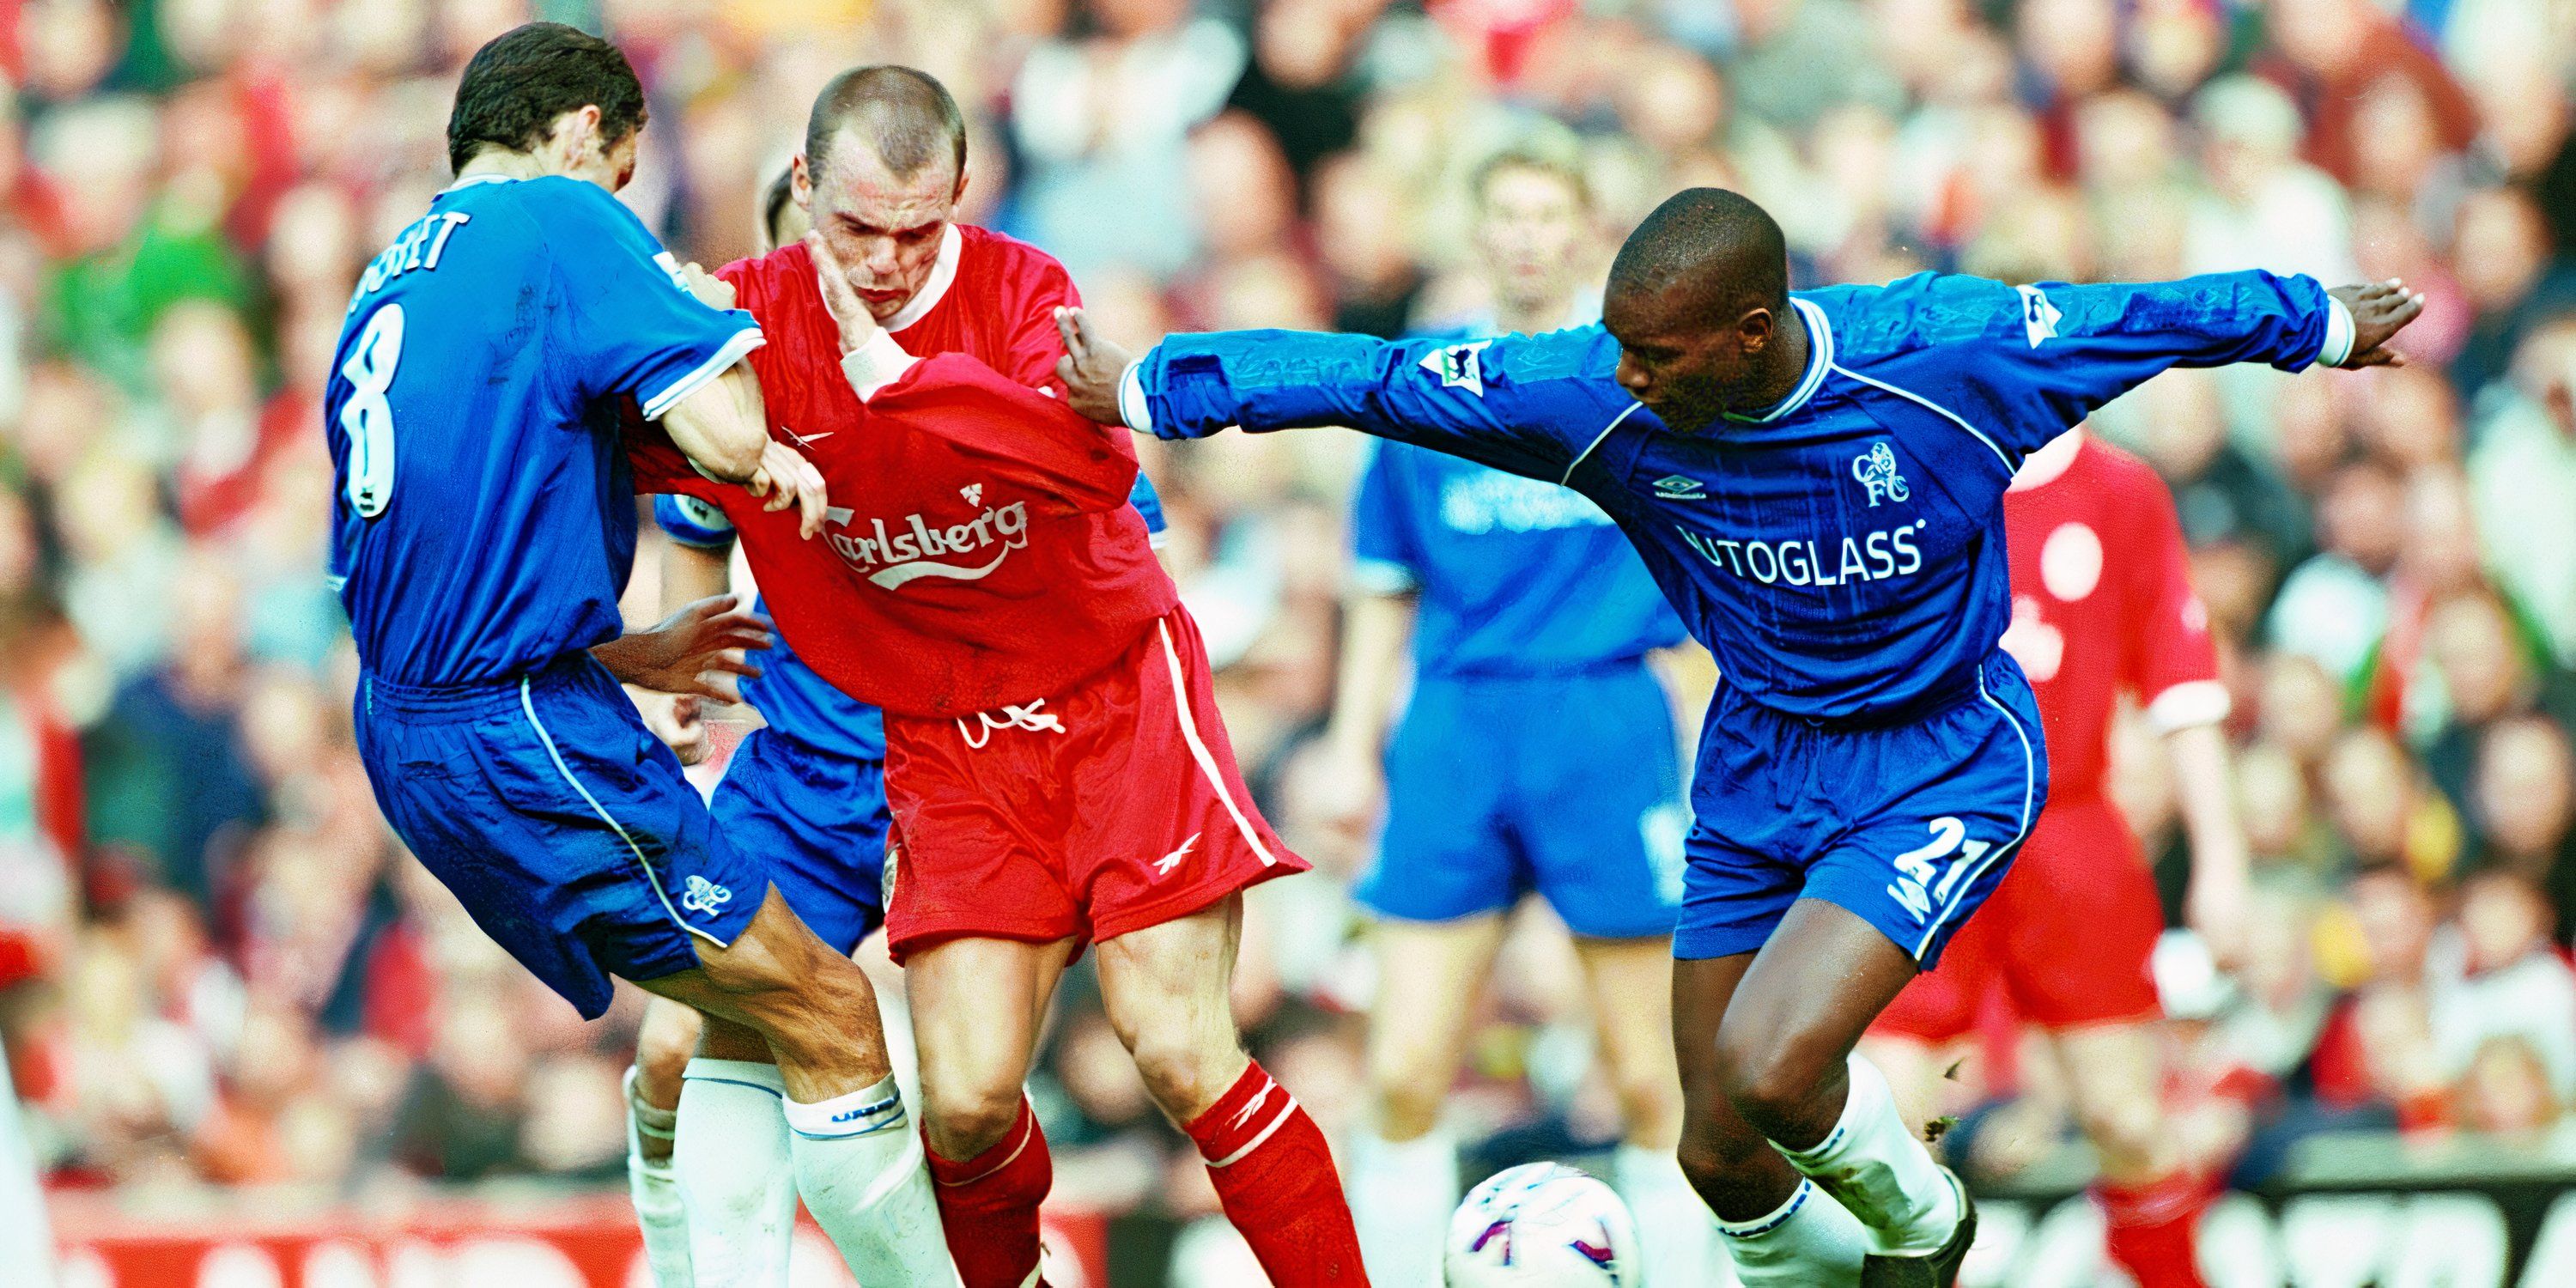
(1679, 1231)
(1881, 1174)
(1402, 1193)
(858, 1163)
(1806, 1241)
(732, 1163)
(656, 1191)
(26, 1238)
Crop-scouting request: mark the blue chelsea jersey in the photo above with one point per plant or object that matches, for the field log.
(1841, 555)
(484, 521)
(798, 703)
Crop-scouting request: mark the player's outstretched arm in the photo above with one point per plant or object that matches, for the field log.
(700, 649)
(2027, 362)
(1527, 405)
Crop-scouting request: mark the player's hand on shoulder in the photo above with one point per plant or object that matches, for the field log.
(857, 325)
(701, 649)
(711, 290)
(786, 478)
(2379, 311)
(1091, 367)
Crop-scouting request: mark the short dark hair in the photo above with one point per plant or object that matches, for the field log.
(905, 112)
(1511, 160)
(1719, 240)
(527, 76)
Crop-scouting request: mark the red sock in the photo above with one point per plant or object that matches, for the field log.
(989, 1205)
(2154, 1229)
(1274, 1173)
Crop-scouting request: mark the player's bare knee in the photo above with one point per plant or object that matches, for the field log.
(1649, 1099)
(1773, 1083)
(1406, 1106)
(2126, 1134)
(1185, 1072)
(662, 1052)
(964, 1121)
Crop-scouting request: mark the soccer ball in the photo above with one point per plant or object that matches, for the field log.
(1542, 1225)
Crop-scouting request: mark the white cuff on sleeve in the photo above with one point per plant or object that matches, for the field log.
(1131, 399)
(1382, 577)
(2340, 331)
(655, 404)
(876, 364)
(2190, 703)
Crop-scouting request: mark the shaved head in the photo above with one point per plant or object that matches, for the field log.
(1699, 302)
(883, 167)
(1715, 244)
(906, 115)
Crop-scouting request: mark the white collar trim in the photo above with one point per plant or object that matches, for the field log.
(476, 181)
(1820, 359)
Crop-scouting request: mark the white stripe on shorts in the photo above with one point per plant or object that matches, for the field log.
(650, 877)
(1199, 749)
(2029, 796)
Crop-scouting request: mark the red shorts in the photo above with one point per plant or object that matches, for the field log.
(2068, 936)
(1112, 806)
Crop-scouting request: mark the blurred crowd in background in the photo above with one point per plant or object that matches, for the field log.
(216, 966)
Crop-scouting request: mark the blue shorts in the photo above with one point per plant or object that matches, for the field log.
(1569, 785)
(1909, 825)
(561, 823)
(817, 821)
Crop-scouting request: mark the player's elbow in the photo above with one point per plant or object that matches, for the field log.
(722, 426)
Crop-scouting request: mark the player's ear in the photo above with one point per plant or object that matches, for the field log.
(800, 183)
(960, 194)
(576, 135)
(1753, 331)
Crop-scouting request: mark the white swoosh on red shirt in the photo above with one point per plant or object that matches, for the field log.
(919, 568)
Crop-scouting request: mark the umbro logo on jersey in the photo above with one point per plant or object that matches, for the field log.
(1679, 487)
(2039, 318)
(1876, 471)
(1458, 366)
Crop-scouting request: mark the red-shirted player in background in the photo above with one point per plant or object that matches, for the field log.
(2102, 605)
(1055, 765)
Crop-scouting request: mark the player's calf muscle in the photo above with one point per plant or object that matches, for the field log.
(1167, 989)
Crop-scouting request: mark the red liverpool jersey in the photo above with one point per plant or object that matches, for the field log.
(2103, 604)
(980, 551)
(989, 296)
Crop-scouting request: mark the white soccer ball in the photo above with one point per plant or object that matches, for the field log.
(1542, 1225)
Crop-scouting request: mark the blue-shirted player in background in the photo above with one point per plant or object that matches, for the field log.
(1815, 480)
(484, 527)
(805, 792)
(1536, 752)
